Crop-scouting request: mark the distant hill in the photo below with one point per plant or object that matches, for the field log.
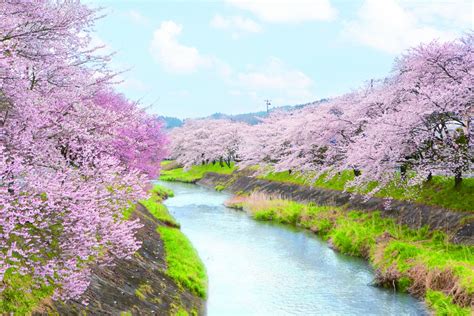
(252, 118)
(171, 122)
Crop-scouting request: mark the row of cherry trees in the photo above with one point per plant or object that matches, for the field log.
(417, 121)
(74, 153)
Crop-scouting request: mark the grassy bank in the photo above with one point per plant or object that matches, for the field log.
(440, 191)
(183, 263)
(420, 262)
(194, 173)
(156, 208)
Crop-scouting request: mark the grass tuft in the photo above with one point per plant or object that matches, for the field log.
(219, 187)
(184, 264)
(443, 305)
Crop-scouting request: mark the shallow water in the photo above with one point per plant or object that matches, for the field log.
(259, 268)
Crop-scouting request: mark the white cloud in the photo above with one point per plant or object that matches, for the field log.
(236, 24)
(393, 26)
(275, 80)
(172, 55)
(288, 10)
(138, 18)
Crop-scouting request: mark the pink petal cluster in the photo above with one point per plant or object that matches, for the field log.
(74, 153)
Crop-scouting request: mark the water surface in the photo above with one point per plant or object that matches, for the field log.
(260, 268)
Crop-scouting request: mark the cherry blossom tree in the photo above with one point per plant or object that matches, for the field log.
(207, 141)
(74, 153)
(424, 122)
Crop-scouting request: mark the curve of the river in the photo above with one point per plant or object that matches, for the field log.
(259, 268)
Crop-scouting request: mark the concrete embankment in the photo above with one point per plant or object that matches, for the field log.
(458, 225)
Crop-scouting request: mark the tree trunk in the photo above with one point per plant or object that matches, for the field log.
(221, 163)
(403, 172)
(430, 177)
(458, 179)
(356, 172)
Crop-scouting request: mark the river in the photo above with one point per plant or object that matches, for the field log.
(260, 268)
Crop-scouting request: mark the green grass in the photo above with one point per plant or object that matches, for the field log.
(194, 173)
(443, 305)
(166, 162)
(21, 295)
(159, 211)
(162, 191)
(156, 208)
(127, 212)
(143, 291)
(219, 187)
(158, 194)
(440, 191)
(184, 264)
(418, 257)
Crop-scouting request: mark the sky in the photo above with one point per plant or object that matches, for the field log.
(194, 58)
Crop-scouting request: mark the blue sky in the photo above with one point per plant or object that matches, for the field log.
(195, 58)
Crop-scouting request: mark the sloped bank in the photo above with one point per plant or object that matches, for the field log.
(144, 284)
(458, 225)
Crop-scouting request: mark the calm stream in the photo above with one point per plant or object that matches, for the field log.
(258, 268)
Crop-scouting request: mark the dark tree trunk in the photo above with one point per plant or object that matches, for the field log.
(403, 172)
(356, 172)
(457, 179)
(289, 171)
(430, 177)
(221, 163)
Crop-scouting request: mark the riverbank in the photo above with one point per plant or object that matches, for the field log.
(418, 260)
(161, 278)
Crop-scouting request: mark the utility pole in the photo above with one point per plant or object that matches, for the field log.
(268, 103)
